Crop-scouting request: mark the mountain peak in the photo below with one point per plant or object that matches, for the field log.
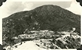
(46, 17)
(49, 7)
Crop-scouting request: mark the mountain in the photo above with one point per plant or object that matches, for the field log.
(46, 17)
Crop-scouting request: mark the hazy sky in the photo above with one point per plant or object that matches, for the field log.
(10, 7)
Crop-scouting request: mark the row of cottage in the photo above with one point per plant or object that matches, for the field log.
(35, 34)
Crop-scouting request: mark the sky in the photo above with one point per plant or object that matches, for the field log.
(9, 7)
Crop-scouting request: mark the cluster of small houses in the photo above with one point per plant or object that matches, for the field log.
(42, 33)
(39, 34)
(34, 35)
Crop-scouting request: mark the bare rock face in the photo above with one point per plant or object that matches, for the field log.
(46, 17)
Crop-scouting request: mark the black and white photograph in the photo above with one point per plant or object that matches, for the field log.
(41, 25)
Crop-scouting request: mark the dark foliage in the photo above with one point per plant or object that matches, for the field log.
(80, 1)
(1, 47)
(1, 2)
(80, 48)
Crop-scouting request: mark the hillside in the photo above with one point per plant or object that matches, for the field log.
(46, 17)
